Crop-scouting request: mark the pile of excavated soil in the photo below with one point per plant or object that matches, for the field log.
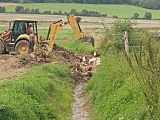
(81, 70)
(82, 66)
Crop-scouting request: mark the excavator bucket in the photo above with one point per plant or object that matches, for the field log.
(89, 39)
(72, 20)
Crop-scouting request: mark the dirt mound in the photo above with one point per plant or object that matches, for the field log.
(82, 66)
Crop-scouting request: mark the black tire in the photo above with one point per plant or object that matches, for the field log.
(2, 46)
(22, 47)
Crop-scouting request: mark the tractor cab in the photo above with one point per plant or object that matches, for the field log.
(16, 39)
(19, 26)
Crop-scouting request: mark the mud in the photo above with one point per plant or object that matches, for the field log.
(10, 66)
(80, 107)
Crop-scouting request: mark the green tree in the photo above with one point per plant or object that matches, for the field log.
(84, 12)
(2, 9)
(19, 9)
(47, 12)
(136, 15)
(27, 10)
(148, 15)
(37, 11)
(60, 12)
(119, 28)
(73, 11)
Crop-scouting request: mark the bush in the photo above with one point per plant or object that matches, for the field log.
(47, 12)
(73, 11)
(19, 9)
(115, 16)
(114, 40)
(27, 11)
(148, 15)
(2, 9)
(136, 15)
(147, 73)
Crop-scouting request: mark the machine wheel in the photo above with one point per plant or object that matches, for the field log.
(2, 47)
(22, 47)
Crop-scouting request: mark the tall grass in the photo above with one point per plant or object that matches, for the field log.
(76, 46)
(147, 61)
(115, 93)
(43, 93)
(127, 88)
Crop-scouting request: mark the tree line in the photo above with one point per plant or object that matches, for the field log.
(150, 4)
(84, 12)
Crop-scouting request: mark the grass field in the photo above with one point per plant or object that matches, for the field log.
(122, 11)
(36, 96)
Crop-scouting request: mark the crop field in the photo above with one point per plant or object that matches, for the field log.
(86, 22)
(122, 11)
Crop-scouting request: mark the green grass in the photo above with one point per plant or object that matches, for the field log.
(66, 38)
(115, 92)
(43, 93)
(62, 33)
(76, 46)
(122, 11)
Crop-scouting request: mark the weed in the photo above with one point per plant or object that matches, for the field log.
(148, 73)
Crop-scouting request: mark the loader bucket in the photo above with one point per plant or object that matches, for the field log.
(89, 39)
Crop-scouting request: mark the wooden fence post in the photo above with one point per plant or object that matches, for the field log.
(126, 42)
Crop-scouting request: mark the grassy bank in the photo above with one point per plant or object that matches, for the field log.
(43, 93)
(76, 46)
(127, 88)
(115, 92)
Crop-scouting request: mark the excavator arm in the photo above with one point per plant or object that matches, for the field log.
(75, 26)
(71, 20)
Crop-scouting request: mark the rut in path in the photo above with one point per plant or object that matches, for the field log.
(82, 67)
(80, 109)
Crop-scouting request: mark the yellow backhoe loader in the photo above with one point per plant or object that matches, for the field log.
(17, 40)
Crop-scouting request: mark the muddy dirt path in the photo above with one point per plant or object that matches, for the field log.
(80, 107)
(82, 67)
